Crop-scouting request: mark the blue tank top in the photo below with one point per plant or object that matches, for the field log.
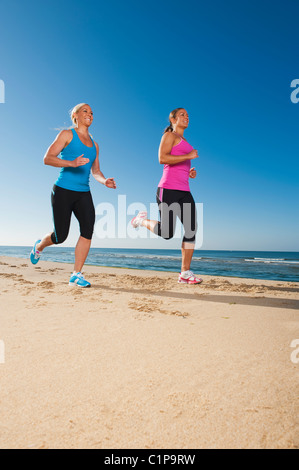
(76, 179)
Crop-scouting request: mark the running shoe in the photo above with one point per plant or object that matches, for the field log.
(137, 221)
(188, 277)
(77, 279)
(35, 254)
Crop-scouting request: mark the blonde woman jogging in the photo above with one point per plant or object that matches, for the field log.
(71, 191)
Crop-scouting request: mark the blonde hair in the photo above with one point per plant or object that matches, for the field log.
(75, 110)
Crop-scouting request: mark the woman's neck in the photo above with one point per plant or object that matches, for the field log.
(179, 132)
(82, 130)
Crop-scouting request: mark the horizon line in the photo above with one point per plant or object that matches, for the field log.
(159, 249)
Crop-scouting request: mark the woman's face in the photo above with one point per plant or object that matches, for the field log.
(181, 119)
(84, 116)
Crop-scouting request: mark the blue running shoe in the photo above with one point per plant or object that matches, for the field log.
(77, 279)
(35, 255)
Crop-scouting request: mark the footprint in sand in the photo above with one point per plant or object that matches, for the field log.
(37, 304)
(46, 284)
(25, 282)
(147, 306)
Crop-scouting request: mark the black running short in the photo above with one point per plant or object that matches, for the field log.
(172, 204)
(64, 203)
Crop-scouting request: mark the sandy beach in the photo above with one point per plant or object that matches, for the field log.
(138, 361)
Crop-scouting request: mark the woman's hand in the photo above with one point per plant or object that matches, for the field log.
(193, 154)
(192, 173)
(110, 183)
(79, 161)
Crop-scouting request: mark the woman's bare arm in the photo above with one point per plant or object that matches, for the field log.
(98, 175)
(51, 157)
(167, 142)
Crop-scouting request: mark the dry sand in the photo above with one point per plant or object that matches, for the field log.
(140, 362)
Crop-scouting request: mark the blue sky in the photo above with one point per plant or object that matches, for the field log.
(230, 64)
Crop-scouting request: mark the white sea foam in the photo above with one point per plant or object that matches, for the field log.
(272, 260)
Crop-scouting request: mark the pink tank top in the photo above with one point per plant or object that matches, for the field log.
(176, 176)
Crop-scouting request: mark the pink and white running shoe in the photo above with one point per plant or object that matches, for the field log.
(187, 277)
(137, 221)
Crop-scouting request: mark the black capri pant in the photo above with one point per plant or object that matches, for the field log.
(172, 204)
(64, 203)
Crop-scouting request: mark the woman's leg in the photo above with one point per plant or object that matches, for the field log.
(81, 252)
(46, 241)
(189, 221)
(149, 224)
(61, 200)
(169, 209)
(187, 254)
(85, 213)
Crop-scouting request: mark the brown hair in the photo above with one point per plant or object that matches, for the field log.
(172, 115)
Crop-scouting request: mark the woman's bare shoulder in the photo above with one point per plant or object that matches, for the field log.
(168, 137)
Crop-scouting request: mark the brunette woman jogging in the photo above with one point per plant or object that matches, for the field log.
(173, 195)
(71, 192)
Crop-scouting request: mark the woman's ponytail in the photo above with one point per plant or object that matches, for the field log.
(168, 129)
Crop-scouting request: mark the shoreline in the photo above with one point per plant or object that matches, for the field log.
(132, 361)
(222, 289)
(157, 271)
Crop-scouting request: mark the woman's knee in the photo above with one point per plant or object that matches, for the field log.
(164, 231)
(86, 235)
(86, 230)
(189, 239)
(58, 239)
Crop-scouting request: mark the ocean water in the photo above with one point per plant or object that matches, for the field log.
(279, 266)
